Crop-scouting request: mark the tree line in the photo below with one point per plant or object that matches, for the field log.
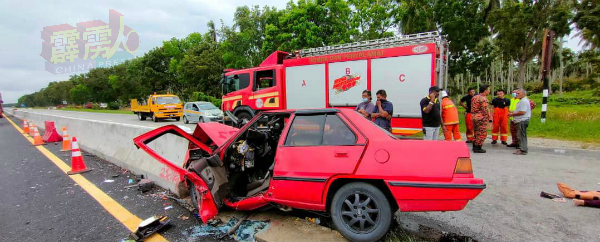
(490, 41)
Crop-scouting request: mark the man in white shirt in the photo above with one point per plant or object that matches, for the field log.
(521, 117)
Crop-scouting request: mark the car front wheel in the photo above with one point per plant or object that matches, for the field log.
(361, 212)
(185, 120)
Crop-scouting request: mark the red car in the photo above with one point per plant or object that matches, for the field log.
(328, 160)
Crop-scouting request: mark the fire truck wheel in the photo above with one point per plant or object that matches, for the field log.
(244, 117)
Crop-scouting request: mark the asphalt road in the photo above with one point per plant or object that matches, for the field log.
(39, 202)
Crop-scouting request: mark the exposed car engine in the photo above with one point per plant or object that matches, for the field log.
(251, 157)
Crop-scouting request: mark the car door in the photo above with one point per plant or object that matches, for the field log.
(207, 204)
(316, 147)
(195, 114)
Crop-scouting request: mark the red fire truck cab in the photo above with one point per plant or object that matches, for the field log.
(335, 76)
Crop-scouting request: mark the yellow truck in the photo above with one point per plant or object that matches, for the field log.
(158, 106)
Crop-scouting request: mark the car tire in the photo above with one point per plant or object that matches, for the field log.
(243, 116)
(358, 219)
(177, 119)
(141, 116)
(201, 119)
(195, 196)
(185, 120)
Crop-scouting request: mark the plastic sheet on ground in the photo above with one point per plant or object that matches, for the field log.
(244, 233)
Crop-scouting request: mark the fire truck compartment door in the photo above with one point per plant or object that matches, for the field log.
(347, 81)
(406, 80)
(305, 86)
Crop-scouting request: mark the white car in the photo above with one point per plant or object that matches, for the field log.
(201, 112)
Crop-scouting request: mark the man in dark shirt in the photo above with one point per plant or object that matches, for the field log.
(430, 114)
(465, 102)
(383, 111)
(500, 118)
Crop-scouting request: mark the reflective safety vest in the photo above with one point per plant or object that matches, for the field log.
(513, 106)
(449, 112)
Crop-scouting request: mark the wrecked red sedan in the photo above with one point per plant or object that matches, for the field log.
(329, 160)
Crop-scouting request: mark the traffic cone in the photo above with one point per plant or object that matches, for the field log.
(66, 141)
(31, 125)
(25, 127)
(77, 164)
(37, 139)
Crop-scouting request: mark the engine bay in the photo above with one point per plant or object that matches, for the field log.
(250, 158)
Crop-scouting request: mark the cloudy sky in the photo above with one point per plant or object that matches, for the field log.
(22, 69)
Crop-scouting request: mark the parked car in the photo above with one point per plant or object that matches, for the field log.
(327, 160)
(201, 112)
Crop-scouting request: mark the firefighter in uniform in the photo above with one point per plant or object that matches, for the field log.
(465, 102)
(481, 118)
(500, 124)
(450, 118)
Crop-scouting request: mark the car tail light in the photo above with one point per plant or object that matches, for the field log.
(463, 166)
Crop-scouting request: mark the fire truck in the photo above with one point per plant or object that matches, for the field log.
(335, 76)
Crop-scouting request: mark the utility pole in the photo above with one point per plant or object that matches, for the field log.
(546, 67)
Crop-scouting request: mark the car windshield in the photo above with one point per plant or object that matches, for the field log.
(167, 100)
(206, 106)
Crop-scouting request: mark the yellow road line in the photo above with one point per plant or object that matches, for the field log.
(128, 219)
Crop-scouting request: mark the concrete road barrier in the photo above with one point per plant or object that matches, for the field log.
(114, 142)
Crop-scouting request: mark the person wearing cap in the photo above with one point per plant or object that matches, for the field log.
(449, 118)
(430, 114)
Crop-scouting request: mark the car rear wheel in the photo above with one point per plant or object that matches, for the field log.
(185, 120)
(361, 212)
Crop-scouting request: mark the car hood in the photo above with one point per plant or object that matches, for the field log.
(214, 112)
(214, 133)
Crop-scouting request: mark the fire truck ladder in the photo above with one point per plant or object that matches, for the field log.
(404, 40)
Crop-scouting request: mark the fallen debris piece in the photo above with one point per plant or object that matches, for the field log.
(168, 207)
(182, 217)
(549, 195)
(245, 232)
(131, 181)
(109, 180)
(115, 175)
(235, 226)
(313, 220)
(148, 227)
(145, 185)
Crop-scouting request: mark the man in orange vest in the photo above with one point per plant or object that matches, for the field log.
(449, 118)
(501, 105)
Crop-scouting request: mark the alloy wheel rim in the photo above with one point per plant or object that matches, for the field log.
(360, 213)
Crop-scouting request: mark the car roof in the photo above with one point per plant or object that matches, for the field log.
(198, 102)
(306, 111)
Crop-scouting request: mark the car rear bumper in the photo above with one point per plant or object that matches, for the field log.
(414, 196)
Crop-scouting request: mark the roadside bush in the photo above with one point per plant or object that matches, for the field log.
(200, 96)
(95, 106)
(534, 87)
(113, 105)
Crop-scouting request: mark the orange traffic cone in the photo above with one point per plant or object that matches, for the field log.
(66, 141)
(31, 125)
(25, 127)
(77, 164)
(37, 139)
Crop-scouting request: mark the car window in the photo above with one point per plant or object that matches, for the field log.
(237, 82)
(264, 79)
(207, 106)
(195, 107)
(336, 132)
(306, 131)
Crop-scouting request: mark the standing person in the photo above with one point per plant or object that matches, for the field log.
(430, 114)
(449, 118)
(521, 117)
(500, 124)
(513, 126)
(465, 102)
(383, 111)
(481, 118)
(366, 107)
